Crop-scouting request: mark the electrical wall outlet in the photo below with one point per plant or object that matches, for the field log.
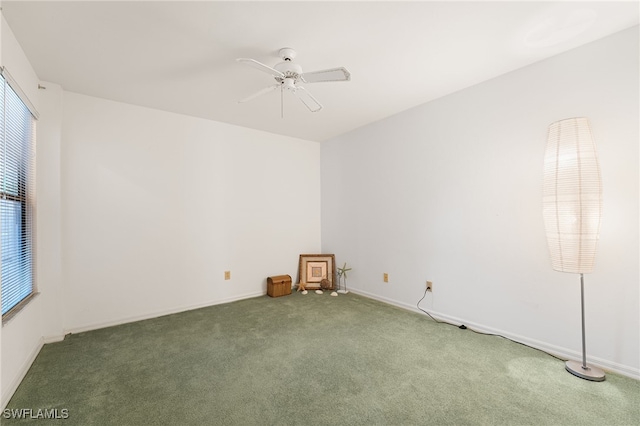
(385, 277)
(227, 275)
(429, 286)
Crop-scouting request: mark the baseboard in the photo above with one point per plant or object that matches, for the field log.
(385, 300)
(24, 368)
(558, 351)
(155, 314)
(53, 339)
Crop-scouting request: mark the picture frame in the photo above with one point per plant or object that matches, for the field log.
(313, 268)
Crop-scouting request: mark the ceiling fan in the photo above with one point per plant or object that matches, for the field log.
(289, 77)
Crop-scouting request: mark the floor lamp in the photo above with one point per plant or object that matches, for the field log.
(572, 206)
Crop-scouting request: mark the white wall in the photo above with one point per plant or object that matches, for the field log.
(41, 320)
(156, 206)
(451, 192)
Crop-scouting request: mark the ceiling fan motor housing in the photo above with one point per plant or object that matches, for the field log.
(288, 67)
(291, 73)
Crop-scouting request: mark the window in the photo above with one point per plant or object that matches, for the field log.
(17, 197)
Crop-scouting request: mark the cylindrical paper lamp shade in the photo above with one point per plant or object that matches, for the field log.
(572, 195)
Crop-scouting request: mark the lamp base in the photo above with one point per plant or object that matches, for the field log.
(343, 291)
(590, 373)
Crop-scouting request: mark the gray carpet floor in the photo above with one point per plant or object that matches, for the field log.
(310, 360)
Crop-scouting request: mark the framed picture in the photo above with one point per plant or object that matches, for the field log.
(314, 268)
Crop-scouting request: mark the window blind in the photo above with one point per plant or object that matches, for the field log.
(17, 197)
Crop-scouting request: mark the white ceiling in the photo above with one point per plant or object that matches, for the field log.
(180, 56)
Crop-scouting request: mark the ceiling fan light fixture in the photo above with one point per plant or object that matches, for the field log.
(289, 83)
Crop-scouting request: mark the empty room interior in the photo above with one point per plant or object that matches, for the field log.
(180, 155)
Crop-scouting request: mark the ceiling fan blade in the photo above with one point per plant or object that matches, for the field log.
(333, 74)
(308, 100)
(259, 93)
(260, 66)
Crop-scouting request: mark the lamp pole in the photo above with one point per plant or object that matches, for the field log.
(584, 371)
